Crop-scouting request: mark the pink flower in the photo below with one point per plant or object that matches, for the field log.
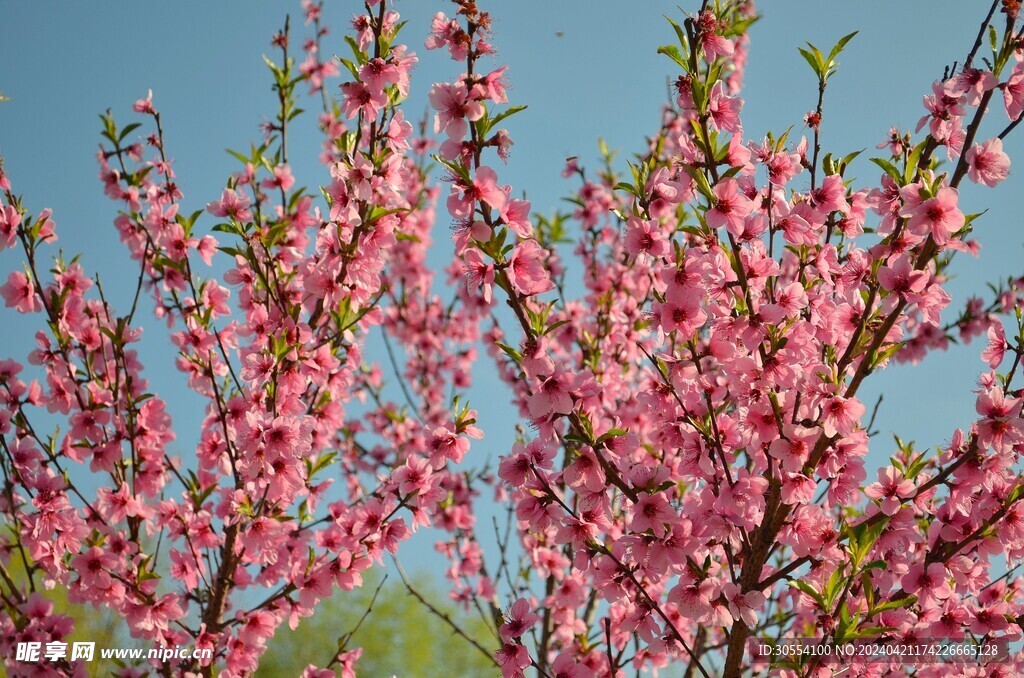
(485, 189)
(996, 348)
(185, 568)
(94, 567)
(377, 74)
(9, 220)
(682, 312)
(399, 131)
(445, 32)
(282, 179)
(891, 488)
(743, 605)
(730, 207)
(713, 44)
(646, 237)
(19, 292)
(88, 425)
(585, 472)
(119, 505)
(895, 143)
(693, 600)
(479, 272)
(285, 437)
(414, 476)
(581, 533)
(972, 82)
(840, 415)
(526, 269)
(494, 85)
(347, 662)
(231, 204)
(445, 445)
(652, 512)
(518, 621)
(145, 105)
(938, 216)
(454, 107)
(512, 658)
(1013, 93)
(361, 99)
(831, 195)
(987, 162)
(901, 278)
(215, 298)
(929, 582)
(724, 109)
(516, 214)
(553, 397)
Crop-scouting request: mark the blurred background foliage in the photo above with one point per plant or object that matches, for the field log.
(400, 637)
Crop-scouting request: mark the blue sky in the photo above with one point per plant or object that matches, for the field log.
(587, 68)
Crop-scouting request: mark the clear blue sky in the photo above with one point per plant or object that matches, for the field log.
(66, 62)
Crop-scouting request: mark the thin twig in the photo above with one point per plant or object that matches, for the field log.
(441, 615)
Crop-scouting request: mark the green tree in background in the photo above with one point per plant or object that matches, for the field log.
(399, 637)
(100, 626)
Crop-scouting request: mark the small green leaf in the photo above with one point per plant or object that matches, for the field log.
(912, 162)
(508, 112)
(679, 34)
(811, 60)
(839, 46)
(894, 604)
(808, 589)
(672, 52)
(890, 169)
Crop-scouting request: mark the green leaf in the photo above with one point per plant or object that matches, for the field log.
(672, 52)
(233, 251)
(890, 169)
(862, 539)
(508, 112)
(702, 181)
(128, 129)
(554, 326)
(833, 587)
(612, 433)
(912, 161)
(968, 218)
(354, 46)
(839, 47)
(352, 68)
(811, 60)
(869, 632)
(680, 34)
(894, 604)
(808, 589)
(850, 157)
(887, 353)
(511, 352)
(629, 188)
(235, 154)
(456, 168)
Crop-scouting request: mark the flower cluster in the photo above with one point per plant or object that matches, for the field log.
(693, 470)
(220, 550)
(699, 441)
